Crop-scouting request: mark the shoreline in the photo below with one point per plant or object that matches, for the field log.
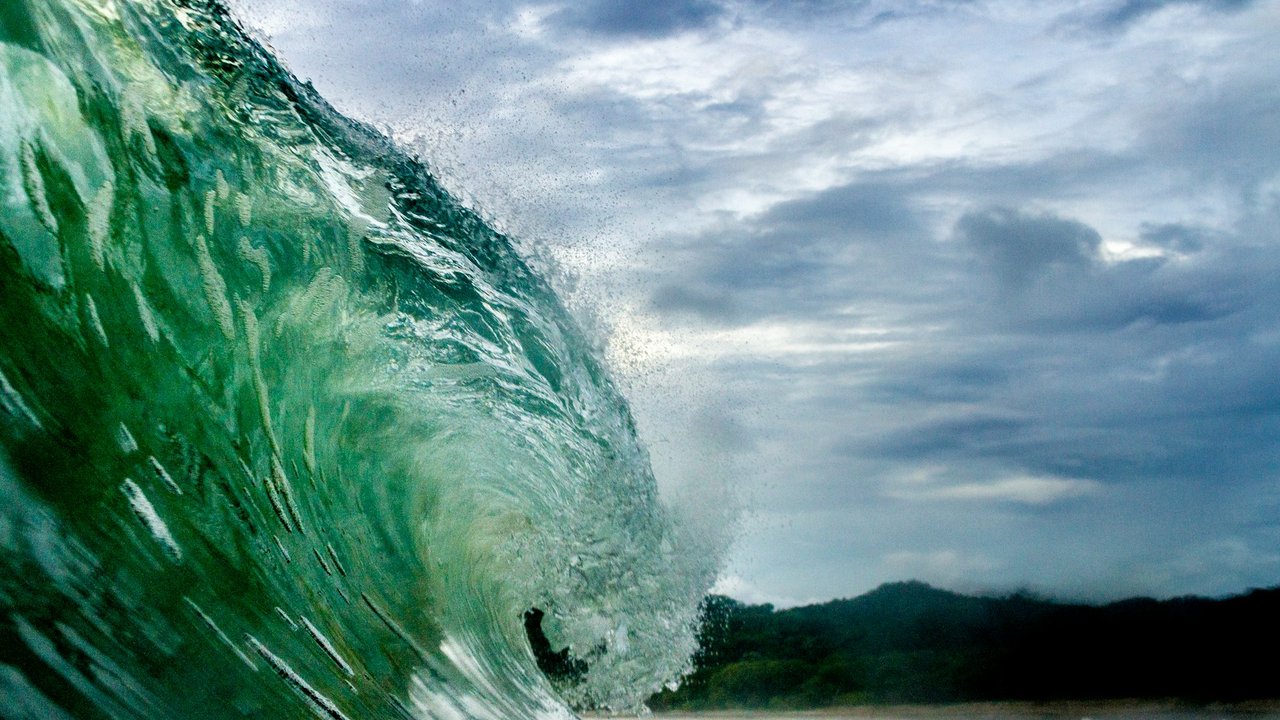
(996, 710)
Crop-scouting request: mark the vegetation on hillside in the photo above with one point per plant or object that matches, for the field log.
(908, 642)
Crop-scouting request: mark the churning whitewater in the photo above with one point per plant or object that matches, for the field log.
(285, 431)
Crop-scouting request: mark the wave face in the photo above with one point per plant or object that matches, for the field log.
(285, 431)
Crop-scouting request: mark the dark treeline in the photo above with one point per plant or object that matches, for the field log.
(908, 642)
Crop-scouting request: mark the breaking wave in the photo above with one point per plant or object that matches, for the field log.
(284, 429)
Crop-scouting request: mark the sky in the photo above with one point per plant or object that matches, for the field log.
(979, 292)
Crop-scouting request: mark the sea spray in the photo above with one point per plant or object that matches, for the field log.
(273, 400)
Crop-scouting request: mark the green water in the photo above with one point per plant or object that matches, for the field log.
(285, 431)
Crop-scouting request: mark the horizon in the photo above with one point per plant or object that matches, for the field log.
(997, 594)
(978, 292)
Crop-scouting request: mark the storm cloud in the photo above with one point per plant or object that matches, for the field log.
(647, 19)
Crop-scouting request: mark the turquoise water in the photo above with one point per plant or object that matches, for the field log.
(285, 431)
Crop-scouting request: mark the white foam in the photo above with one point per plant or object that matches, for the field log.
(13, 403)
(100, 223)
(215, 289)
(259, 258)
(244, 207)
(328, 647)
(33, 183)
(223, 189)
(163, 475)
(220, 634)
(319, 703)
(146, 512)
(355, 246)
(285, 616)
(144, 313)
(287, 558)
(309, 440)
(210, 202)
(125, 440)
(91, 309)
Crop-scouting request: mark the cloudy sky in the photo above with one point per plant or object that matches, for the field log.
(981, 292)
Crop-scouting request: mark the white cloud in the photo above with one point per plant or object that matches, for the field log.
(1024, 489)
(735, 586)
(645, 341)
(951, 568)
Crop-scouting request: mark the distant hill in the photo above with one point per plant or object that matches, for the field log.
(909, 642)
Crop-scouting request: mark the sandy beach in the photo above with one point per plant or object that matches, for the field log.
(1117, 710)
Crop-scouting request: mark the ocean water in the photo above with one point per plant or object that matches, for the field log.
(286, 431)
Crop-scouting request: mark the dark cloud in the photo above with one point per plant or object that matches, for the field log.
(799, 258)
(857, 15)
(919, 8)
(1100, 298)
(974, 434)
(1223, 134)
(856, 212)
(1176, 236)
(652, 18)
(811, 6)
(1026, 182)
(1122, 15)
(956, 380)
(716, 307)
(1020, 246)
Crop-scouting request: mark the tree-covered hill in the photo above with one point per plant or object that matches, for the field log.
(908, 642)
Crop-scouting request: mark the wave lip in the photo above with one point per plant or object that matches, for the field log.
(272, 400)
